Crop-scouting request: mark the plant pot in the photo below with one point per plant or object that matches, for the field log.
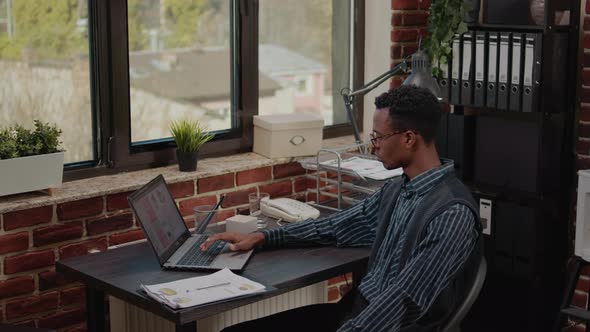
(187, 161)
(19, 175)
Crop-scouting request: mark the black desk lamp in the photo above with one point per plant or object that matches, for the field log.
(421, 75)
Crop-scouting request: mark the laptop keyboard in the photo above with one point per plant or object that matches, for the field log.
(196, 257)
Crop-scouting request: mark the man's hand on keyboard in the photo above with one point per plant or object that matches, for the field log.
(238, 241)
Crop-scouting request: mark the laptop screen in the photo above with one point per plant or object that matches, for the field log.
(156, 211)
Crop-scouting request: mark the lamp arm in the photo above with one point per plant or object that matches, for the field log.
(349, 96)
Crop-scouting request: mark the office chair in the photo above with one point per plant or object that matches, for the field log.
(454, 323)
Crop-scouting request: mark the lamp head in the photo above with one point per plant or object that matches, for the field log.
(421, 75)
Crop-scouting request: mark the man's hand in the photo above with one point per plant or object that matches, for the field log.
(238, 241)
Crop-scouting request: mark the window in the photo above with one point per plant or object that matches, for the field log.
(113, 74)
(44, 61)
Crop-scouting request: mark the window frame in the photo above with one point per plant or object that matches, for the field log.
(109, 63)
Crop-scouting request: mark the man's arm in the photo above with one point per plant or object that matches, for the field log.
(450, 239)
(353, 227)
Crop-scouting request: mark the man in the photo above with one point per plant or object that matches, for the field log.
(413, 279)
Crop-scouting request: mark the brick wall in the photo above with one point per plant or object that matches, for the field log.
(408, 22)
(33, 294)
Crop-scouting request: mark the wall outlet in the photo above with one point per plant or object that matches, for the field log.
(485, 215)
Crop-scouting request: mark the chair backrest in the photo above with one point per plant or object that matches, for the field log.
(454, 323)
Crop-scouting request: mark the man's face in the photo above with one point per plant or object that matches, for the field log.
(388, 140)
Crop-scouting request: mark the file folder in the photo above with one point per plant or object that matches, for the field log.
(504, 71)
(479, 87)
(444, 82)
(532, 72)
(456, 71)
(516, 72)
(467, 68)
(492, 86)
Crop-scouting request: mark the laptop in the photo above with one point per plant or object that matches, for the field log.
(174, 245)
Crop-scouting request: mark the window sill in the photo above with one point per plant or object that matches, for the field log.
(123, 182)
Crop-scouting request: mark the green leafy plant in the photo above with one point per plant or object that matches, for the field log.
(446, 20)
(19, 141)
(189, 135)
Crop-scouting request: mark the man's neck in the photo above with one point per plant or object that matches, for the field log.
(422, 162)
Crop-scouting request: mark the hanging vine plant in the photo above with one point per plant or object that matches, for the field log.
(446, 20)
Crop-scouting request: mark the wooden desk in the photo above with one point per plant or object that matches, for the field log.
(119, 272)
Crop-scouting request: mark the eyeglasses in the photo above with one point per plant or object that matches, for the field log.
(377, 139)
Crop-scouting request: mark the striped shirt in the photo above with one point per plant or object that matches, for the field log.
(397, 297)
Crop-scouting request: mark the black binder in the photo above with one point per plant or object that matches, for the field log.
(456, 71)
(516, 72)
(532, 72)
(492, 70)
(504, 71)
(444, 82)
(467, 68)
(481, 59)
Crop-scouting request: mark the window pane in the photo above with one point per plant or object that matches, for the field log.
(304, 57)
(179, 65)
(45, 69)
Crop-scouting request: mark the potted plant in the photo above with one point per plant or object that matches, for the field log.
(189, 136)
(446, 19)
(30, 159)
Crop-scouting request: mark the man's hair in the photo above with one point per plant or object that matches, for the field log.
(412, 108)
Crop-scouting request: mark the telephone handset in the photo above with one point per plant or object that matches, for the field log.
(288, 209)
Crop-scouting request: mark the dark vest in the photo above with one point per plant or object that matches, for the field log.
(447, 192)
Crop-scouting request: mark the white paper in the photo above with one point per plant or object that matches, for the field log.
(218, 286)
(368, 168)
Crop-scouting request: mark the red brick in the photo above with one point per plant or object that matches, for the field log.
(52, 279)
(119, 238)
(408, 50)
(582, 163)
(118, 201)
(333, 294)
(31, 305)
(278, 189)
(28, 323)
(76, 295)
(224, 214)
(584, 130)
(586, 77)
(583, 147)
(584, 114)
(586, 23)
(336, 280)
(586, 60)
(397, 19)
(214, 183)
(587, 7)
(82, 248)
(57, 233)
(579, 299)
(186, 206)
(396, 52)
(17, 286)
(237, 198)
(80, 209)
(404, 35)
(109, 224)
(30, 217)
(302, 184)
(312, 197)
(583, 285)
(62, 319)
(254, 175)
(28, 261)
(405, 4)
(586, 40)
(78, 328)
(344, 288)
(182, 189)
(420, 19)
(288, 170)
(14, 242)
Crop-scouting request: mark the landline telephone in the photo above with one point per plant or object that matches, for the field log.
(288, 209)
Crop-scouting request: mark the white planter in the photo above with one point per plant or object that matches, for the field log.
(31, 173)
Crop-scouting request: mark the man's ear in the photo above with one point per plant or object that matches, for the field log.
(410, 139)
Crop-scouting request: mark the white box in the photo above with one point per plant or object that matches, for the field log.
(288, 135)
(241, 224)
